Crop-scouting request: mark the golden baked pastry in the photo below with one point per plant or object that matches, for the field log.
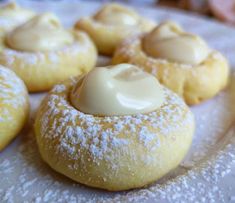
(111, 24)
(14, 106)
(181, 61)
(43, 53)
(12, 15)
(104, 130)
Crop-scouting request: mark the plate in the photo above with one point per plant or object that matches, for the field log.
(206, 175)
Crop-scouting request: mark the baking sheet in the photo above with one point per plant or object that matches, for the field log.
(206, 175)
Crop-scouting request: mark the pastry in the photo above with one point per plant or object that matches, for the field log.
(43, 53)
(104, 130)
(14, 106)
(12, 15)
(111, 24)
(181, 61)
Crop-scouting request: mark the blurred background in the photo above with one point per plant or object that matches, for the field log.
(221, 10)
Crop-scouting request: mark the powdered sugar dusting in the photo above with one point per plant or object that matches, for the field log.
(12, 90)
(128, 49)
(51, 187)
(197, 180)
(10, 55)
(74, 127)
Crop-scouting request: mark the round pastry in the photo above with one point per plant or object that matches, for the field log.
(181, 61)
(11, 16)
(14, 106)
(111, 24)
(43, 53)
(105, 130)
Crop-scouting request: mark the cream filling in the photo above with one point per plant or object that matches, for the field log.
(117, 90)
(12, 15)
(114, 14)
(41, 33)
(169, 41)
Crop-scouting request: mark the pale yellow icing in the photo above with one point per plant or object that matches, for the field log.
(123, 89)
(42, 33)
(12, 15)
(169, 41)
(114, 14)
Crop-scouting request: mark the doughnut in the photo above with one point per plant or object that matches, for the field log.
(53, 56)
(181, 61)
(14, 106)
(111, 24)
(105, 131)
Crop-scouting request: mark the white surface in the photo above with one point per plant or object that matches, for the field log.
(207, 174)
